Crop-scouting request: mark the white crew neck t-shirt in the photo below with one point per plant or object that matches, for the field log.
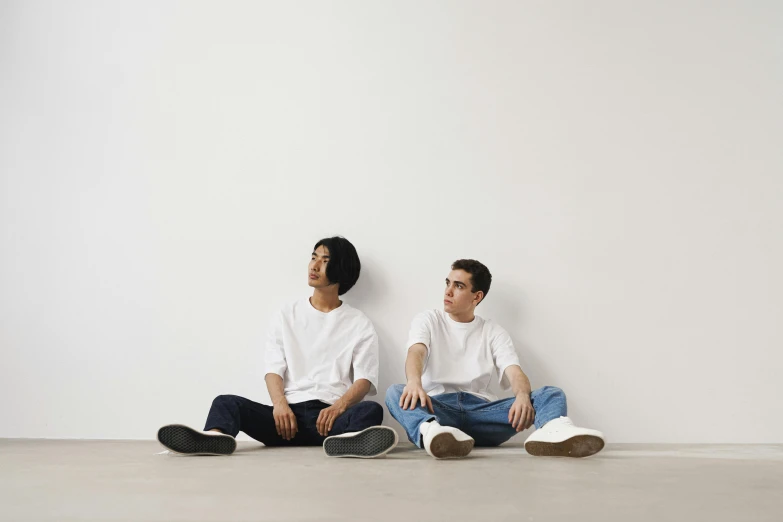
(319, 355)
(461, 357)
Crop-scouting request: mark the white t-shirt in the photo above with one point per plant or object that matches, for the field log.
(461, 357)
(319, 355)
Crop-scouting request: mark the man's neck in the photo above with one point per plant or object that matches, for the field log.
(464, 317)
(325, 300)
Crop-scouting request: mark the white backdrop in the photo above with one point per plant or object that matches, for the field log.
(165, 169)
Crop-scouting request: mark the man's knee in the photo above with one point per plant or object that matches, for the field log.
(393, 395)
(551, 393)
(225, 401)
(374, 411)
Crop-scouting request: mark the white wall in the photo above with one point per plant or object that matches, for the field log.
(166, 167)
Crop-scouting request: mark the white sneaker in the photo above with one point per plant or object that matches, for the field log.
(560, 438)
(372, 442)
(185, 440)
(444, 442)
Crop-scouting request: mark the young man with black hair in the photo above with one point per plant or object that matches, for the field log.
(321, 360)
(452, 355)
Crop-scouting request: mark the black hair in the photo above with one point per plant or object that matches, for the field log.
(344, 266)
(480, 278)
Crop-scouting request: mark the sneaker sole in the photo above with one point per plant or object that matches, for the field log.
(185, 440)
(369, 443)
(578, 446)
(446, 446)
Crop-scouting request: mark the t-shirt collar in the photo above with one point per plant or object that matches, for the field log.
(314, 310)
(457, 324)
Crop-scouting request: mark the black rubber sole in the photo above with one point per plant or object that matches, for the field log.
(182, 439)
(371, 442)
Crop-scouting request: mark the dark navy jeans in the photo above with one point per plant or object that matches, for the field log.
(232, 414)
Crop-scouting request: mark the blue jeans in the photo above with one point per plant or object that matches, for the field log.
(485, 421)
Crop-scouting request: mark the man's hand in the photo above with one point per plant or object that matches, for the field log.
(327, 417)
(285, 420)
(521, 415)
(412, 393)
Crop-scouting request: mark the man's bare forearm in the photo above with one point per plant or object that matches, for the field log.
(274, 383)
(414, 363)
(355, 393)
(520, 384)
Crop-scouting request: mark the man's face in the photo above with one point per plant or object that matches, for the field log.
(316, 271)
(458, 297)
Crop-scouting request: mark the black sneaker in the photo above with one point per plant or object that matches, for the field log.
(185, 440)
(375, 441)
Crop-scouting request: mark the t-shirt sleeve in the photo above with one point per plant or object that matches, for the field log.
(420, 332)
(504, 355)
(274, 352)
(365, 358)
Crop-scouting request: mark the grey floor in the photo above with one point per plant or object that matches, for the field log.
(119, 480)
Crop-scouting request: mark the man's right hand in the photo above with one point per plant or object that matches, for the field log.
(413, 393)
(285, 420)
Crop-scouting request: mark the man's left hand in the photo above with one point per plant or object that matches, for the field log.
(521, 415)
(327, 417)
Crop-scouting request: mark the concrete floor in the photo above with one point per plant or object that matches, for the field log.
(123, 480)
